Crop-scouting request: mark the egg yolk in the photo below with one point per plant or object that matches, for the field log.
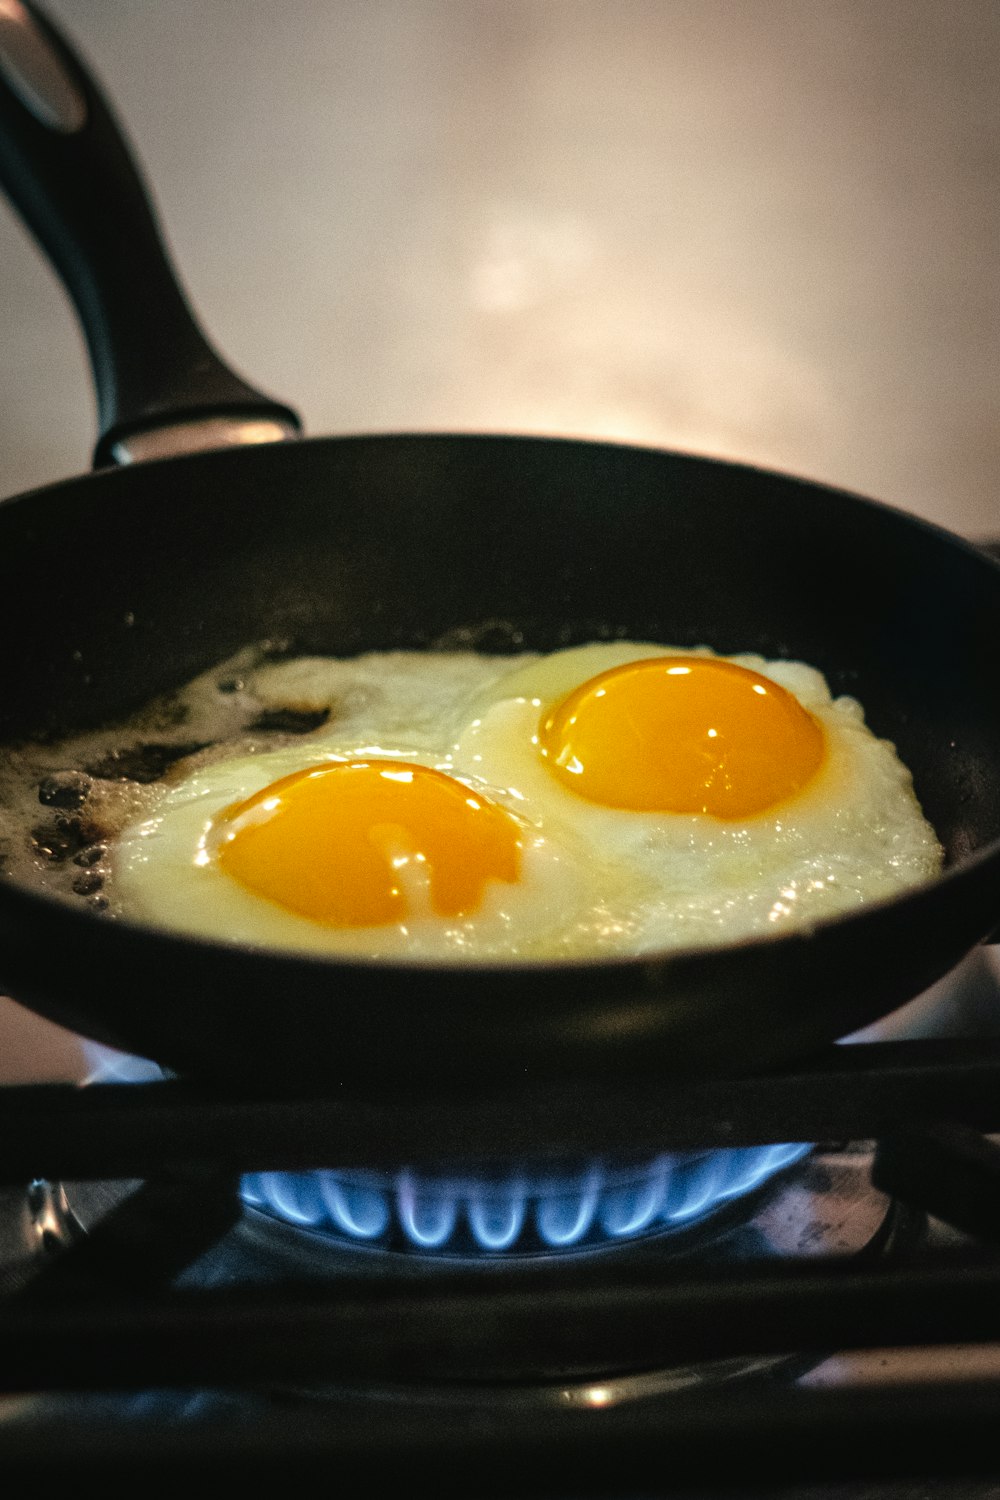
(366, 843)
(684, 735)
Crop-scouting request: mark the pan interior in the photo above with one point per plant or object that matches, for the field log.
(125, 585)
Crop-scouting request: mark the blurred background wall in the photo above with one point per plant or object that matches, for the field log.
(767, 229)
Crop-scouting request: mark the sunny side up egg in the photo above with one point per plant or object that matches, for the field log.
(618, 797)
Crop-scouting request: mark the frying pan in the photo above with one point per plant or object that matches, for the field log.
(128, 582)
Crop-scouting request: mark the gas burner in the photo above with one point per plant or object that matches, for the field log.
(518, 1212)
(820, 1206)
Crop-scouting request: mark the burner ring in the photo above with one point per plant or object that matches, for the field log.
(519, 1212)
(823, 1205)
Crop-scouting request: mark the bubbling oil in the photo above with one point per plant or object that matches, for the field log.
(63, 804)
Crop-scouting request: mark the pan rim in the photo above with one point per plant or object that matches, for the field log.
(248, 453)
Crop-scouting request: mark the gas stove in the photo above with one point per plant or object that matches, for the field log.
(190, 1282)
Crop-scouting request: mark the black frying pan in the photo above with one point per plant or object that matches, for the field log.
(127, 582)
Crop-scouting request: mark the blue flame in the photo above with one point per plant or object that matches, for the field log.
(520, 1212)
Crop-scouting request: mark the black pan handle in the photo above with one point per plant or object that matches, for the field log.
(66, 167)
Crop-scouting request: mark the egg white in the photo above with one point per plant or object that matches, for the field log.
(400, 706)
(854, 833)
(595, 880)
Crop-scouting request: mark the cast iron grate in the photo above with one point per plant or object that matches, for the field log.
(118, 1329)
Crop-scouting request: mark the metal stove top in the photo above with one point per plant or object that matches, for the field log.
(830, 1327)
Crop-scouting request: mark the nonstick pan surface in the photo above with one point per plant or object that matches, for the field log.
(124, 584)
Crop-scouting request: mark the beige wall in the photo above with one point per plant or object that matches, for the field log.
(767, 229)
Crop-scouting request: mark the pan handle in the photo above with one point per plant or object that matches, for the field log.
(66, 167)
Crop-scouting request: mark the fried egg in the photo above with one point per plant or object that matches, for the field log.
(613, 798)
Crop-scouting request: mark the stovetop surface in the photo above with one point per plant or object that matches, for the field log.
(181, 1331)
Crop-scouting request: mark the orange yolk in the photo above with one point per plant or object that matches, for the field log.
(684, 735)
(366, 843)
